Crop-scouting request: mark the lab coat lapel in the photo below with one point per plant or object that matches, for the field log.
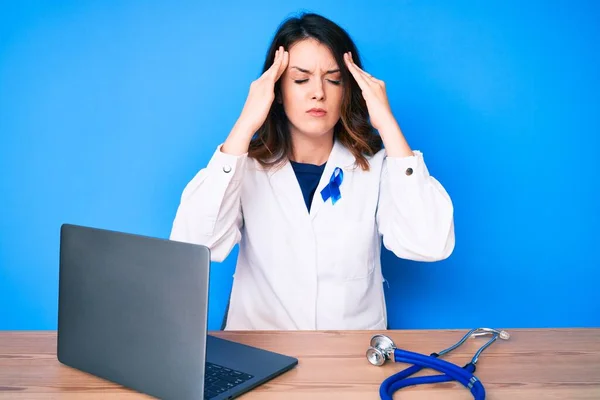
(287, 189)
(340, 157)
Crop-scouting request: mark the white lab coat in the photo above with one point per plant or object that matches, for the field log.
(319, 270)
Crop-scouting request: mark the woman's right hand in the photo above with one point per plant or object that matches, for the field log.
(257, 106)
(262, 93)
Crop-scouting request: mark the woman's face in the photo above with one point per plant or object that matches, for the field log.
(312, 80)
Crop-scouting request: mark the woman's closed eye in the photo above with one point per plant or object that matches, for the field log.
(301, 81)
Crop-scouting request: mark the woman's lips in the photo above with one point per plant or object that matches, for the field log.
(317, 112)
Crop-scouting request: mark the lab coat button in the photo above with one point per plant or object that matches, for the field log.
(409, 171)
(227, 169)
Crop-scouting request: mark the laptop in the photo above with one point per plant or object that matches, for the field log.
(133, 310)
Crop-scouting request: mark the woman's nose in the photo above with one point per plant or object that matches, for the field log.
(318, 92)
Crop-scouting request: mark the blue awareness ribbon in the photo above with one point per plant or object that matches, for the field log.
(333, 187)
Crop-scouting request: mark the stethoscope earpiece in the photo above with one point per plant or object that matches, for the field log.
(380, 350)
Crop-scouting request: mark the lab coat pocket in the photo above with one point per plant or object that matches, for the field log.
(353, 251)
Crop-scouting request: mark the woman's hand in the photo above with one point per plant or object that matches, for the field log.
(257, 106)
(380, 112)
(373, 91)
(262, 93)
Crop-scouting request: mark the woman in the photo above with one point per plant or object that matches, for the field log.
(303, 184)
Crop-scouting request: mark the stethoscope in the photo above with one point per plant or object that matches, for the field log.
(383, 348)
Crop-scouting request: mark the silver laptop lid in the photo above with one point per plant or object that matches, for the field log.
(133, 310)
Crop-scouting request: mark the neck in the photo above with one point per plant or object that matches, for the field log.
(312, 150)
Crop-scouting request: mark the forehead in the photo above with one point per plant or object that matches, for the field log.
(310, 54)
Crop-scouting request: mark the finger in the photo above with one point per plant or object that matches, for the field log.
(359, 69)
(273, 69)
(275, 58)
(277, 67)
(371, 77)
(362, 81)
(356, 68)
(283, 64)
(368, 77)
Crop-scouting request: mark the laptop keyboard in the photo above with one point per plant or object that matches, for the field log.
(218, 379)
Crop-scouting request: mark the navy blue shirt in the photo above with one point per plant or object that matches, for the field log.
(308, 176)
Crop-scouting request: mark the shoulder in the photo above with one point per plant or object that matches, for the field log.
(378, 157)
(376, 161)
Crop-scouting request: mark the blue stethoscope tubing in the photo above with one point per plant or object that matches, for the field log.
(451, 372)
(382, 348)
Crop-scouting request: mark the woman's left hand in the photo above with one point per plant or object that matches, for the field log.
(373, 91)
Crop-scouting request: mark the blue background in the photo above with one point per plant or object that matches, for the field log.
(107, 110)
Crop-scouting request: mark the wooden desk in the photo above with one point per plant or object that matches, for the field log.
(533, 364)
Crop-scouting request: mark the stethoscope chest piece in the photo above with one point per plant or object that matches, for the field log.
(380, 350)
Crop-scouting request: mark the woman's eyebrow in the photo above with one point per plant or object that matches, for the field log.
(332, 71)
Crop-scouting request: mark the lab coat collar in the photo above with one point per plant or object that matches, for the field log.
(286, 184)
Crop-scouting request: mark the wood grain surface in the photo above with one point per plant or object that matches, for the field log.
(532, 364)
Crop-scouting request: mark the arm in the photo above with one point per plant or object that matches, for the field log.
(209, 212)
(415, 214)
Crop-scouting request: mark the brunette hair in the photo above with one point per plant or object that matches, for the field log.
(272, 143)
